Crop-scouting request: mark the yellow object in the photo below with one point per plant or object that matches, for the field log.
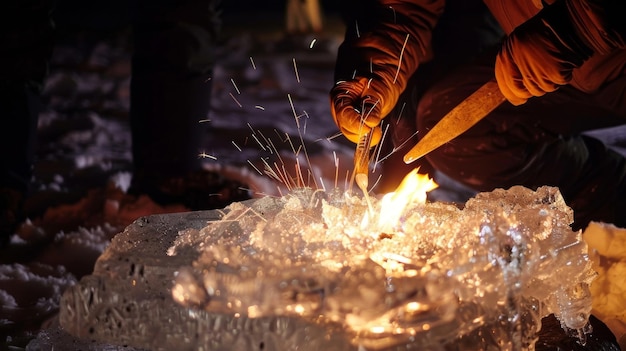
(458, 120)
(607, 250)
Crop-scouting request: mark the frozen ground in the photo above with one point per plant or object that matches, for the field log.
(260, 84)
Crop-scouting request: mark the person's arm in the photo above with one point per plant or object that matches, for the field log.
(385, 42)
(540, 54)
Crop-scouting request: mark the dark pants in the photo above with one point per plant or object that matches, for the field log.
(539, 143)
(174, 43)
(26, 41)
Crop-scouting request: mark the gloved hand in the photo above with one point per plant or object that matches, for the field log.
(357, 109)
(385, 42)
(540, 54)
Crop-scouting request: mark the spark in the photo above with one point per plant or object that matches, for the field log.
(269, 170)
(334, 136)
(281, 177)
(204, 120)
(306, 154)
(233, 96)
(255, 137)
(295, 68)
(299, 172)
(260, 107)
(378, 179)
(258, 142)
(293, 148)
(252, 61)
(293, 110)
(272, 147)
(305, 121)
(280, 191)
(396, 148)
(267, 143)
(263, 136)
(356, 27)
(279, 135)
(323, 185)
(264, 194)
(277, 153)
(205, 155)
(400, 58)
(365, 114)
(253, 166)
(379, 147)
(235, 85)
(401, 112)
(288, 181)
(279, 174)
(309, 176)
(250, 126)
(312, 43)
(336, 167)
(237, 146)
(394, 13)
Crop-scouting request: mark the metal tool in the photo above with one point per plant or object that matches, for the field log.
(461, 118)
(361, 166)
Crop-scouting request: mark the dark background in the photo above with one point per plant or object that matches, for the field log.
(110, 14)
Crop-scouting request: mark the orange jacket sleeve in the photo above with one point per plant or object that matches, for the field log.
(385, 42)
(598, 69)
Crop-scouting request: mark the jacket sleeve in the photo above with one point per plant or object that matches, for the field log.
(385, 42)
(610, 60)
(600, 23)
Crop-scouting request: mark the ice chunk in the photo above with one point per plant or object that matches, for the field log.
(303, 271)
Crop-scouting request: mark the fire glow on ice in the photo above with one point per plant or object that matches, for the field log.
(441, 276)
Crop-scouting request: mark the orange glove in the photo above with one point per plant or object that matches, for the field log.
(384, 43)
(356, 108)
(540, 54)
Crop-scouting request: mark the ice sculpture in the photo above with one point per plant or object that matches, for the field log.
(308, 271)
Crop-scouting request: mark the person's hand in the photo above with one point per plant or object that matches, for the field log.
(356, 107)
(540, 54)
(384, 43)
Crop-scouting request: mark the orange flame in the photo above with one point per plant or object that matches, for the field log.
(412, 189)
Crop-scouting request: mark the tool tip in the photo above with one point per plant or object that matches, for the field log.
(408, 159)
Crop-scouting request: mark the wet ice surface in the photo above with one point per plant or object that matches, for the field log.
(302, 272)
(504, 262)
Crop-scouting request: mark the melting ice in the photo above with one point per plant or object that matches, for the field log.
(443, 275)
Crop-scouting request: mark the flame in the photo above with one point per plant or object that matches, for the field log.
(412, 189)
